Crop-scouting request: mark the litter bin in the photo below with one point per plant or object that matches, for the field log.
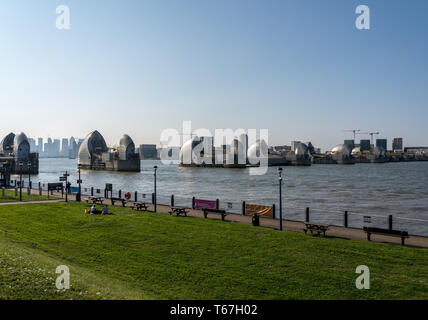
(256, 221)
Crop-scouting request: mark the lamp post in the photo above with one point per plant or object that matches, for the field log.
(20, 180)
(280, 198)
(79, 194)
(66, 186)
(29, 177)
(155, 168)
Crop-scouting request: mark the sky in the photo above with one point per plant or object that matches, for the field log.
(299, 68)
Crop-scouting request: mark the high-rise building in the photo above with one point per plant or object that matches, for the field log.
(32, 143)
(64, 147)
(365, 145)
(47, 148)
(397, 144)
(350, 143)
(40, 145)
(72, 152)
(56, 148)
(382, 144)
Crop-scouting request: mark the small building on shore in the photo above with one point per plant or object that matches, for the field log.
(148, 152)
(95, 155)
(15, 150)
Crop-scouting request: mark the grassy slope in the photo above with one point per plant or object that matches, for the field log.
(146, 255)
(10, 196)
(28, 274)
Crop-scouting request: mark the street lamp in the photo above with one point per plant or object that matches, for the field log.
(155, 168)
(79, 195)
(29, 177)
(20, 180)
(280, 198)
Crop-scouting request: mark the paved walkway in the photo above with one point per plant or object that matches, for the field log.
(333, 231)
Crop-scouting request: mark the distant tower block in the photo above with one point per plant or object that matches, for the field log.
(382, 144)
(364, 145)
(397, 144)
(148, 152)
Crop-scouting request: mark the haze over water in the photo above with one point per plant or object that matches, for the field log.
(375, 190)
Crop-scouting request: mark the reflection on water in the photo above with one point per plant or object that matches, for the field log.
(400, 189)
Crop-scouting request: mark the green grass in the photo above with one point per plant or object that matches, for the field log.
(10, 196)
(142, 255)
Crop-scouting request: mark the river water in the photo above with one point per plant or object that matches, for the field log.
(374, 190)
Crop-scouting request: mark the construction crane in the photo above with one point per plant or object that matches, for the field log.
(371, 134)
(355, 131)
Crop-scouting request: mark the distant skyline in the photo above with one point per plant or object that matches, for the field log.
(298, 68)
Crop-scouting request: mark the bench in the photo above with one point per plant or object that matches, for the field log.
(178, 211)
(386, 232)
(318, 228)
(95, 200)
(113, 200)
(215, 211)
(139, 206)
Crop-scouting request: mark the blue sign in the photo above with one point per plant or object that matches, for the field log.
(74, 189)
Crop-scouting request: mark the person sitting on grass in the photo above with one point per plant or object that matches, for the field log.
(94, 209)
(105, 210)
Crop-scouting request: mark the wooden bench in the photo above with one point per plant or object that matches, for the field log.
(95, 200)
(178, 211)
(139, 206)
(318, 228)
(113, 200)
(386, 232)
(215, 211)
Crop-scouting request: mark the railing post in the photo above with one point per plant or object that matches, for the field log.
(345, 219)
(307, 214)
(193, 202)
(217, 204)
(390, 221)
(92, 191)
(120, 193)
(172, 200)
(135, 196)
(273, 211)
(243, 208)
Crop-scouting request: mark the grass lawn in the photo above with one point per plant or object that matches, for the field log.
(10, 196)
(141, 255)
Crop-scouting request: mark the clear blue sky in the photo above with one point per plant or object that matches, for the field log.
(298, 68)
